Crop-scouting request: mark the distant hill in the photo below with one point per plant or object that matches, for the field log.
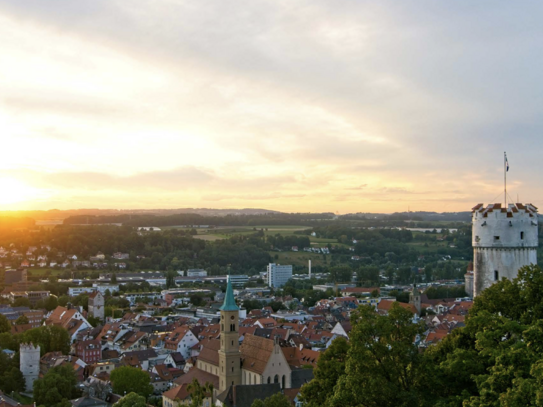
(56, 214)
(415, 216)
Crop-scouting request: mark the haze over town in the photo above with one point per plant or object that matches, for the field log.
(305, 106)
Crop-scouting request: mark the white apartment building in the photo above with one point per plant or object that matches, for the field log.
(196, 273)
(102, 288)
(278, 274)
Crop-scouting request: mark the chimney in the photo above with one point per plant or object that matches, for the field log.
(309, 269)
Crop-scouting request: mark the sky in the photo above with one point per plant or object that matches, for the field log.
(296, 105)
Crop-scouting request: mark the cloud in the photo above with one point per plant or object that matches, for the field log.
(308, 100)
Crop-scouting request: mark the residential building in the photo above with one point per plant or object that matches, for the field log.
(89, 351)
(68, 318)
(196, 273)
(180, 340)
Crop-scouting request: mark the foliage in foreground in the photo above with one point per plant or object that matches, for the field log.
(495, 360)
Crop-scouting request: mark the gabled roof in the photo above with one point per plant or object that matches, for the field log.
(245, 395)
(255, 353)
(210, 352)
(298, 358)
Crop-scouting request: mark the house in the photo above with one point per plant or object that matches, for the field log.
(144, 358)
(363, 291)
(89, 351)
(175, 360)
(179, 394)
(180, 340)
(121, 256)
(68, 318)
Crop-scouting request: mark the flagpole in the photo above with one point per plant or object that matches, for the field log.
(505, 178)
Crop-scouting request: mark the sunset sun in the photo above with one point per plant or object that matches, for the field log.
(14, 191)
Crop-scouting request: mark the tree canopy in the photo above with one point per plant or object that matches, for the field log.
(495, 360)
(127, 379)
(56, 387)
(131, 400)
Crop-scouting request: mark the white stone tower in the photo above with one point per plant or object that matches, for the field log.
(504, 240)
(29, 364)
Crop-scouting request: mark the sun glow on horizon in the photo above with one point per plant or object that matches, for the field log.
(15, 191)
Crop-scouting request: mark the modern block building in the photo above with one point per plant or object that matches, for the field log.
(504, 240)
(278, 274)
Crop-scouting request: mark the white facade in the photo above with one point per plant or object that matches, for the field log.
(104, 287)
(504, 240)
(278, 275)
(196, 273)
(184, 346)
(74, 291)
(29, 364)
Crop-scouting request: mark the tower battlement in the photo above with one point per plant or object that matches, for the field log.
(504, 239)
(514, 226)
(29, 347)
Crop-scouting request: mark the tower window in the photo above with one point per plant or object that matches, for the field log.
(496, 275)
(496, 238)
(521, 235)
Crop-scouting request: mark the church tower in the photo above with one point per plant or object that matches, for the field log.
(229, 354)
(415, 298)
(504, 239)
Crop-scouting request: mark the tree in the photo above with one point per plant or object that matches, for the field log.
(22, 320)
(198, 392)
(341, 274)
(12, 380)
(114, 278)
(57, 386)
(5, 326)
(21, 302)
(170, 279)
(277, 400)
(128, 379)
(384, 366)
(131, 400)
(51, 303)
(496, 359)
(50, 338)
(330, 367)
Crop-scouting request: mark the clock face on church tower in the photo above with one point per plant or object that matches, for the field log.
(232, 317)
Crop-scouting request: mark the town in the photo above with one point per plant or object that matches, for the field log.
(168, 336)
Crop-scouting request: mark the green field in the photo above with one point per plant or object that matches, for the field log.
(298, 258)
(225, 232)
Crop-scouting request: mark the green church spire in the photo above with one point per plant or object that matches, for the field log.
(229, 301)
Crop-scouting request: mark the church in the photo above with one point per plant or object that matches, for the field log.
(256, 369)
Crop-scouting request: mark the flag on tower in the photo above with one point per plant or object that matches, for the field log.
(506, 163)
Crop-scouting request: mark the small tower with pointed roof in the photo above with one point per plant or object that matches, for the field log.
(229, 354)
(414, 298)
